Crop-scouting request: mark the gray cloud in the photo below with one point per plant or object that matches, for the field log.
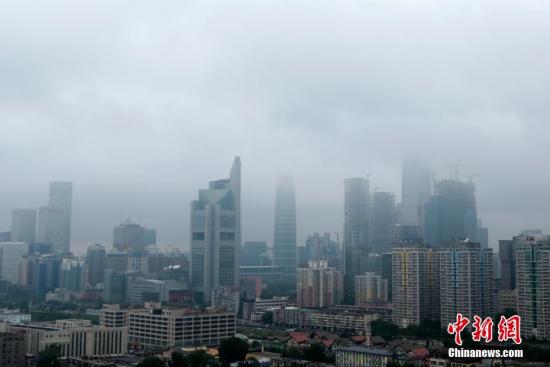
(140, 105)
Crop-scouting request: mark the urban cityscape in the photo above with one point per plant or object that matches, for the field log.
(274, 184)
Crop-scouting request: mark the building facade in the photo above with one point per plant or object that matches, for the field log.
(11, 254)
(61, 197)
(284, 240)
(370, 288)
(318, 285)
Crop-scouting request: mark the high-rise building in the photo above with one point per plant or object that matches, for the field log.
(323, 248)
(415, 192)
(466, 281)
(95, 258)
(61, 196)
(40, 273)
(318, 285)
(356, 231)
(216, 234)
(73, 275)
(382, 219)
(415, 285)
(284, 242)
(450, 213)
(507, 254)
(51, 227)
(11, 254)
(114, 287)
(370, 288)
(533, 286)
(482, 234)
(129, 236)
(254, 253)
(23, 225)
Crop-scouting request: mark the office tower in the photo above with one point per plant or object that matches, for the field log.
(370, 288)
(23, 225)
(150, 236)
(114, 287)
(415, 285)
(95, 258)
(533, 286)
(73, 275)
(482, 234)
(466, 281)
(318, 285)
(356, 231)
(415, 192)
(11, 253)
(451, 213)
(61, 196)
(216, 234)
(117, 261)
(129, 236)
(382, 219)
(12, 350)
(284, 242)
(322, 248)
(406, 233)
(40, 273)
(254, 253)
(51, 227)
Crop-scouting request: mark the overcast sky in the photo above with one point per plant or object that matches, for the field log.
(142, 103)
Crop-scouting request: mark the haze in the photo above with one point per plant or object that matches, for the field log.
(140, 104)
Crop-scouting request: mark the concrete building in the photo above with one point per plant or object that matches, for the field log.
(466, 281)
(451, 213)
(382, 219)
(8, 316)
(140, 289)
(216, 234)
(254, 253)
(51, 227)
(415, 285)
(11, 254)
(12, 350)
(61, 197)
(284, 241)
(23, 225)
(116, 261)
(131, 237)
(73, 275)
(323, 248)
(360, 356)
(370, 288)
(318, 286)
(40, 273)
(95, 258)
(533, 286)
(356, 231)
(114, 287)
(158, 329)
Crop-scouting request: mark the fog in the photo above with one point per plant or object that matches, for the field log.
(140, 104)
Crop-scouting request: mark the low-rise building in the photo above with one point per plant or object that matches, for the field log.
(12, 350)
(360, 356)
(14, 316)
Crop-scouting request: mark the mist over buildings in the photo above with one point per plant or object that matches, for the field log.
(140, 105)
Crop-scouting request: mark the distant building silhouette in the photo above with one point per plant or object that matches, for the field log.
(284, 242)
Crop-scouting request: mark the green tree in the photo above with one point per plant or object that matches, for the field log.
(267, 317)
(199, 358)
(233, 350)
(315, 353)
(151, 362)
(178, 359)
(49, 357)
(293, 352)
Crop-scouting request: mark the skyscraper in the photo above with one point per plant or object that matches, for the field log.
(466, 281)
(415, 285)
(51, 227)
(95, 257)
(254, 253)
(356, 231)
(533, 286)
(370, 287)
(382, 219)
(23, 225)
(216, 234)
(130, 236)
(61, 196)
(284, 242)
(415, 191)
(451, 213)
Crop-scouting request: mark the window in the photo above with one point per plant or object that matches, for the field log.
(198, 236)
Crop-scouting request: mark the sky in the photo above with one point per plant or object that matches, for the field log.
(141, 103)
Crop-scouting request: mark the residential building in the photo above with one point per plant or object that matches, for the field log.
(12, 350)
(415, 285)
(360, 356)
(466, 281)
(370, 288)
(216, 234)
(11, 254)
(318, 285)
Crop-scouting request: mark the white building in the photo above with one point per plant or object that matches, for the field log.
(11, 253)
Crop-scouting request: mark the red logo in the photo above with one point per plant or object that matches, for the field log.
(508, 329)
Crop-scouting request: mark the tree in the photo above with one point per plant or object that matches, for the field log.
(49, 357)
(267, 317)
(315, 353)
(198, 358)
(151, 362)
(178, 359)
(293, 352)
(233, 350)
